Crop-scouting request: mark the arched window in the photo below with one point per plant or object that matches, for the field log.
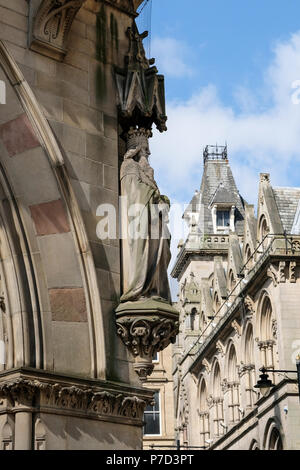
(254, 445)
(232, 281)
(275, 441)
(203, 414)
(40, 435)
(234, 387)
(263, 232)
(218, 412)
(267, 339)
(7, 437)
(217, 304)
(248, 258)
(193, 318)
(272, 439)
(250, 368)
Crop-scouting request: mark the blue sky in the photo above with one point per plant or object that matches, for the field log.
(229, 42)
(229, 68)
(232, 73)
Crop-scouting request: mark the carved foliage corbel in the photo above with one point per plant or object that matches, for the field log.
(207, 365)
(282, 265)
(237, 327)
(272, 273)
(220, 348)
(292, 272)
(51, 26)
(249, 305)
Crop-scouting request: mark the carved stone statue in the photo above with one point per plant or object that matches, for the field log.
(146, 320)
(144, 216)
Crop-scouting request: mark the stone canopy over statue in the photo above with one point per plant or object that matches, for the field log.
(144, 216)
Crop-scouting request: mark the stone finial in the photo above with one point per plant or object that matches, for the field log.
(265, 177)
(141, 91)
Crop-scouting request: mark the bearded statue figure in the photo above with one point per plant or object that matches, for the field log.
(144, 231)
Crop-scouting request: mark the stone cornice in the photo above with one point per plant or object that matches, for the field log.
(40, 391)
(186, 253)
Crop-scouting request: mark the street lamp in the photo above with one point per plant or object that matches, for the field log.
(265, 384)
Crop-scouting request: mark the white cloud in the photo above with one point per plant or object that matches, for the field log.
(173, 57)
(259, 140)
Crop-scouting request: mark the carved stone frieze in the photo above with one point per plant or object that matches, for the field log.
(146, 328)
(23, 392)
(18, 393)
(51, 26)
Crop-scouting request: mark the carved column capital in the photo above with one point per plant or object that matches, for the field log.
(72, 399)
(19, 392)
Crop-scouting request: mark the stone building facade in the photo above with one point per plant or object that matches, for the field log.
(159, 431)
(239, 277)
(74, 79)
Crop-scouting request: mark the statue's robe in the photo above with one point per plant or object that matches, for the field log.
(144, 260)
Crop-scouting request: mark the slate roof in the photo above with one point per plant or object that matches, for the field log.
(222, 195)
(193, 205)
(217, 172)
(287, 200)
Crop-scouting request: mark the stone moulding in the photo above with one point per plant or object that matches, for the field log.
(51, 26)
(146, 327)
(56, 160)
(38, 395)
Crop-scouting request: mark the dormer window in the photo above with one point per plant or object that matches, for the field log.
(223, 219)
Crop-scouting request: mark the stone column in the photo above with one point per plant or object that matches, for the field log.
(20, 395)
(23, 430)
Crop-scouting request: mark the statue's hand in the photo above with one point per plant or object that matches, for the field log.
(132, 152)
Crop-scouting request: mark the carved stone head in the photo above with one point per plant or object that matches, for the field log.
(139, 138)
